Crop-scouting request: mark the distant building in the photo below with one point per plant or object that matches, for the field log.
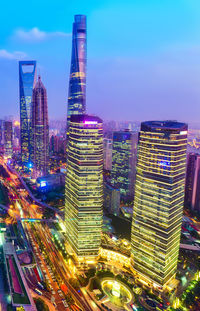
(127, 211)
(57, 144)
(107, 154)
(192, 184)
(1, 132)
(111, 199)
(77, 80)
(40, 130)
(27, 80)
(8, 139)
(50, 182)
(84, 186)
(158, 201)
(16, 134)
(124, 156)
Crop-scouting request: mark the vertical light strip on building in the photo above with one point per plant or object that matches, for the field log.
(84, 185)
(158, 202)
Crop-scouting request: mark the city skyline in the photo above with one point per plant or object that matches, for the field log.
(100, 207)
(135, 50)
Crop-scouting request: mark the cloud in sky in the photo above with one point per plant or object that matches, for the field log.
(12, 55)
(37, 35)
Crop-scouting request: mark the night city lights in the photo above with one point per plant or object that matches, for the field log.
(100, 155)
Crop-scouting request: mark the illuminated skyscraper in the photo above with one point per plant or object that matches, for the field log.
(84, 186)
(77, 81)
(8, 139)
(40, 129)
(158, 202)
(27, 79)
(124, 155)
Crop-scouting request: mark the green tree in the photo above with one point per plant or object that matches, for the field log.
(41, 305)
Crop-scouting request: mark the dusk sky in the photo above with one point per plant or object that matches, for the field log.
(143, 56)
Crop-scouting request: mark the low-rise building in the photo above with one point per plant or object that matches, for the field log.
(50, 182)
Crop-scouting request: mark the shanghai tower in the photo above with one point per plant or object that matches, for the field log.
(40, 130)
(77, 81)
(27, 79)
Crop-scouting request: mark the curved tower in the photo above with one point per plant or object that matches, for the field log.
(40, 130)
(77, 81)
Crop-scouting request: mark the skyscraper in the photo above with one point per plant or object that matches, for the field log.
(77, 81)
(84, 186)
(27, 79)
(8, 139)
(124, 155)
(158, 202)
(40, 129)
(192, 184)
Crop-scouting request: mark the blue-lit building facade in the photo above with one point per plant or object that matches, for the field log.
(27, 80)
(124, 156)
(84, 186)
(158, 201)
(77, 80)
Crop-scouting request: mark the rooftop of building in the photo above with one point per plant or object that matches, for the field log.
(84, 118)
(167, 125)
(111, 187)
(80, 23)
(50, 176)
(27, 62)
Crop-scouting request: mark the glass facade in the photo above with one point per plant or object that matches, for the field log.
(158, 202)
(40, 130)
(124, 155)
(77, 81)
(27, 79)
(84, 186)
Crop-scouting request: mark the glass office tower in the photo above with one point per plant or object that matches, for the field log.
(124, 155)
(77, 81)
(27, 79)
(8, 139)
(40, 130)
(84, 186)
(158, 202)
